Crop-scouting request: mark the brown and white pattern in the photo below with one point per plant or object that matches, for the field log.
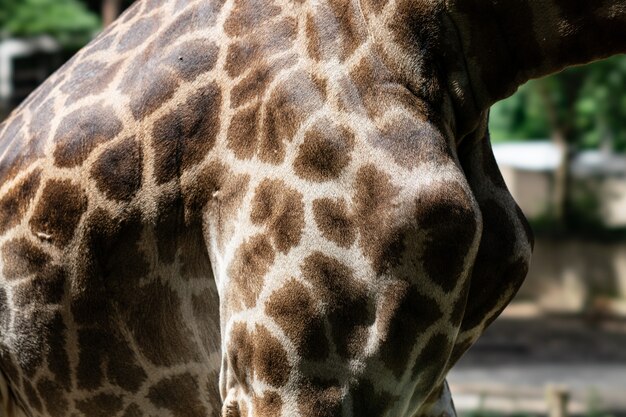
(269, 208)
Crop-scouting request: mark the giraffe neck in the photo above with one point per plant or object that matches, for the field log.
(508, 43)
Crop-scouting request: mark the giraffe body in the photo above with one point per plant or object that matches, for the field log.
(244, 208)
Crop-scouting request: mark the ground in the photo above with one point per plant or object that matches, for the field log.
(510, 367)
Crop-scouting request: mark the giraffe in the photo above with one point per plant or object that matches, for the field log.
(246, 208)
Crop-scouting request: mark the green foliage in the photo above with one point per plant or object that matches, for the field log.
(587, 103)
(520, 116)
(69, 21)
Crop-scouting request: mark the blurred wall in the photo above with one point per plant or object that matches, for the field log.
(571, 275)
(571, 271)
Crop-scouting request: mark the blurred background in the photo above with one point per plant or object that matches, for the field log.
(560, 348)
(38, 36)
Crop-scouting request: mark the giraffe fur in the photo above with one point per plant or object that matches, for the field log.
(266, 208)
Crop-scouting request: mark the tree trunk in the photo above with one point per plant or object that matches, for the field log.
(562, 181)
(562, 174)
(110, 11)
